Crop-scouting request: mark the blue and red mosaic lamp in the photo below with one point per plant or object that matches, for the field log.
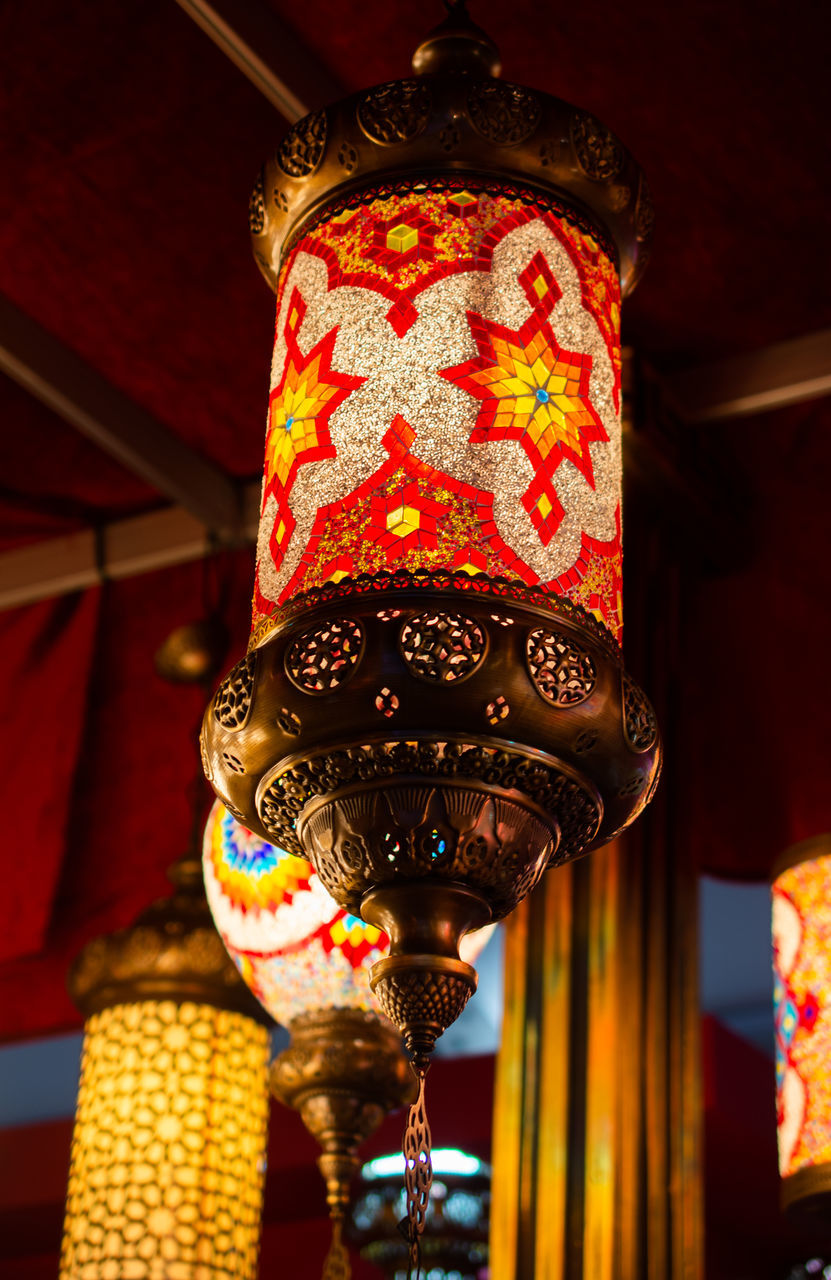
(307, 961)
(801, 895)
(433, 708)
(296, 950)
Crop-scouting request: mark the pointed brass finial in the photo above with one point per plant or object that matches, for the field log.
(457, 44)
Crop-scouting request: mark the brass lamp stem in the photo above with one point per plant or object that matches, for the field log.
(343, 1071)
(337, 1265)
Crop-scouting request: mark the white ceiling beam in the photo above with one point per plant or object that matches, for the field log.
(268, 53)
(56, 566)
(769, 378)
(77, 393)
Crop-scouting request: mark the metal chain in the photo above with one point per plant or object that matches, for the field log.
(337, 1266)
(418, 1174)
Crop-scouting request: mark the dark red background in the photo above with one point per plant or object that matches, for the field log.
(128, 149)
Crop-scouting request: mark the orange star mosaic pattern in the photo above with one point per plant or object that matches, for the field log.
(535, 392)
(299, 409)
(427, 501)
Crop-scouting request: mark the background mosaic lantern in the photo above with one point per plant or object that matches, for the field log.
(433, 708)
(801, 895)
(308, 963)
(169, 1144)
(455, 1242)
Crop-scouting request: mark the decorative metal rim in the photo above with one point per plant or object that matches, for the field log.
(394, 584)
(552, 147)
(805, 851)
(807, 1184)
(413, 776)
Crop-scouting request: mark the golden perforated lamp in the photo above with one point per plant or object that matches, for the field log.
(169, 1143)
(801, 895)
(433, 708)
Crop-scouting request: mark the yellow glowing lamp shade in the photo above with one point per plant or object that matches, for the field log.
(296, 949)
(802, 995)
(445, 396)
(166, 1177)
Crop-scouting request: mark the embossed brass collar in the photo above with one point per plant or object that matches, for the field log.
(453, 116)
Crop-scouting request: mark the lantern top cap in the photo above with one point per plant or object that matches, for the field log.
(452, 122)
(171, 952)
(457, 44)
(818, 846)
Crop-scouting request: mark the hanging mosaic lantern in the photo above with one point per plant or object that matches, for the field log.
(801, 896)
(169, 1144)
(433, 708)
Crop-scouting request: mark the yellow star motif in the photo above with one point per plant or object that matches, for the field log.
(299, 411)
(532, 391)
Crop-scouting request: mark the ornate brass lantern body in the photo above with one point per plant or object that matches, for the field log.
(434, 708)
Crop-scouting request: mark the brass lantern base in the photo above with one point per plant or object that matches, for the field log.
(807, 1193)
(432, 734)
(423, 985)
(343, 1072)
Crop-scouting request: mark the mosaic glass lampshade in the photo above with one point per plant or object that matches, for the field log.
(433, 708)
(169, 1143)
(296, 949)
(307, 962)
(802, 997)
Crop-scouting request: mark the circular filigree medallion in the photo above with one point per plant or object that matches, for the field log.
(395, 112)
(497, 710)
(323, 657)
(442, 646)
(599, 153)
(289, 722)
(386, 702)
(639, 721)
(562, 673)
(301, 151)
(232, 702)
(503, 113)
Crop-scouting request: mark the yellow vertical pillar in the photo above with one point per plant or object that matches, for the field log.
(596, 1132)
(530, 1139)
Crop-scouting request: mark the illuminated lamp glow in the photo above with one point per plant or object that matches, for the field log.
(446, 1160)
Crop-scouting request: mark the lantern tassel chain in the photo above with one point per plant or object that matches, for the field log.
(336, 1266)
(418, 1171)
